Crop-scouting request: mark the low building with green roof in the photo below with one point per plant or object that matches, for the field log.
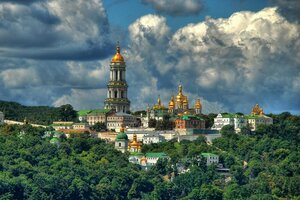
(94, 116)
(189, 121)
(210, 158)
(239, 121)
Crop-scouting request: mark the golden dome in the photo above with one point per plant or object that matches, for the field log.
(186, 112)
(256, 110)
(134, 142)
(198, 104)
(172, 103)
(117, 57)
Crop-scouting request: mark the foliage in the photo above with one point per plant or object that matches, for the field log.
(67, 113)
(99, 126)
(34, 114)
(263, 165)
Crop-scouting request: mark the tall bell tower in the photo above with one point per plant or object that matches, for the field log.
(117, 85)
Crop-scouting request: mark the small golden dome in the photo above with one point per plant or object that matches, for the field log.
(134, 142)
(198, 104)
(117, 57)
(172, 103)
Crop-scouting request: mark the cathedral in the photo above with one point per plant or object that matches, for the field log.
(117, 85)
(180, 104)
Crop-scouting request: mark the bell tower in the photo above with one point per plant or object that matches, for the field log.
(117, 85)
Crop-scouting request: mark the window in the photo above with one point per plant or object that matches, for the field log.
(116, 94)
(120, 144)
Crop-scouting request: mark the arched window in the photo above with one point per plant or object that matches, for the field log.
(116, 94)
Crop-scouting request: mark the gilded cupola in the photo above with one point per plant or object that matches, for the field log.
(198, 104)
(117, 57)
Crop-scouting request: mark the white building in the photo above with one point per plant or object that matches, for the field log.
(1, 117)
(80, 126)
(117, 120)
(152, 158)
(96, 116)
(62, 125)
(153, 138)
(210, 158)
(239, 121)
(235, 120)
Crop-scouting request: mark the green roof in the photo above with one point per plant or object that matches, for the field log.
(136, 154)
(208, 154)
(156, 155)
(54, 140)
(190, 117)
(99, 111)
(254, 116)
(122, 136)
(83, 112)
(229, 115)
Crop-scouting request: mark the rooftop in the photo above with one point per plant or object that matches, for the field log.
(190, 117)
(156, 155)
(83, 112)
(99, 111)
(208, 154)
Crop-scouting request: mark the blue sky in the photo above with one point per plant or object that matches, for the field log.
(124, 12)
(232, 54)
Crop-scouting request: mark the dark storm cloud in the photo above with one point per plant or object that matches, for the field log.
(176, 7)
(55, 30)
(289, 8)
(25, 2)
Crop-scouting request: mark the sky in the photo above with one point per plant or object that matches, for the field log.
(232, 54)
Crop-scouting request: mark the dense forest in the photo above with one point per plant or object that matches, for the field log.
(264, 165)
(44, 115)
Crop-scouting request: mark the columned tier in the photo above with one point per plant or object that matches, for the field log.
(121, 84)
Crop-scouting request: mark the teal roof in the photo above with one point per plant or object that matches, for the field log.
(83, 112)
(156, 155)
(190, 117)
(208, 154)
(122, 136)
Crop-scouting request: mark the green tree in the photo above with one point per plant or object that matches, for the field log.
(99, 126)
(67, 113)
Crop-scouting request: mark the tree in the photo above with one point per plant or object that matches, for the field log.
(99, 126)
(228, 131)
(245, 130)
(152, 123)
(67, 113)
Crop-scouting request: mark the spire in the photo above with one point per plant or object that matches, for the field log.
(158, 100)
(118, 47)
(180, 88)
